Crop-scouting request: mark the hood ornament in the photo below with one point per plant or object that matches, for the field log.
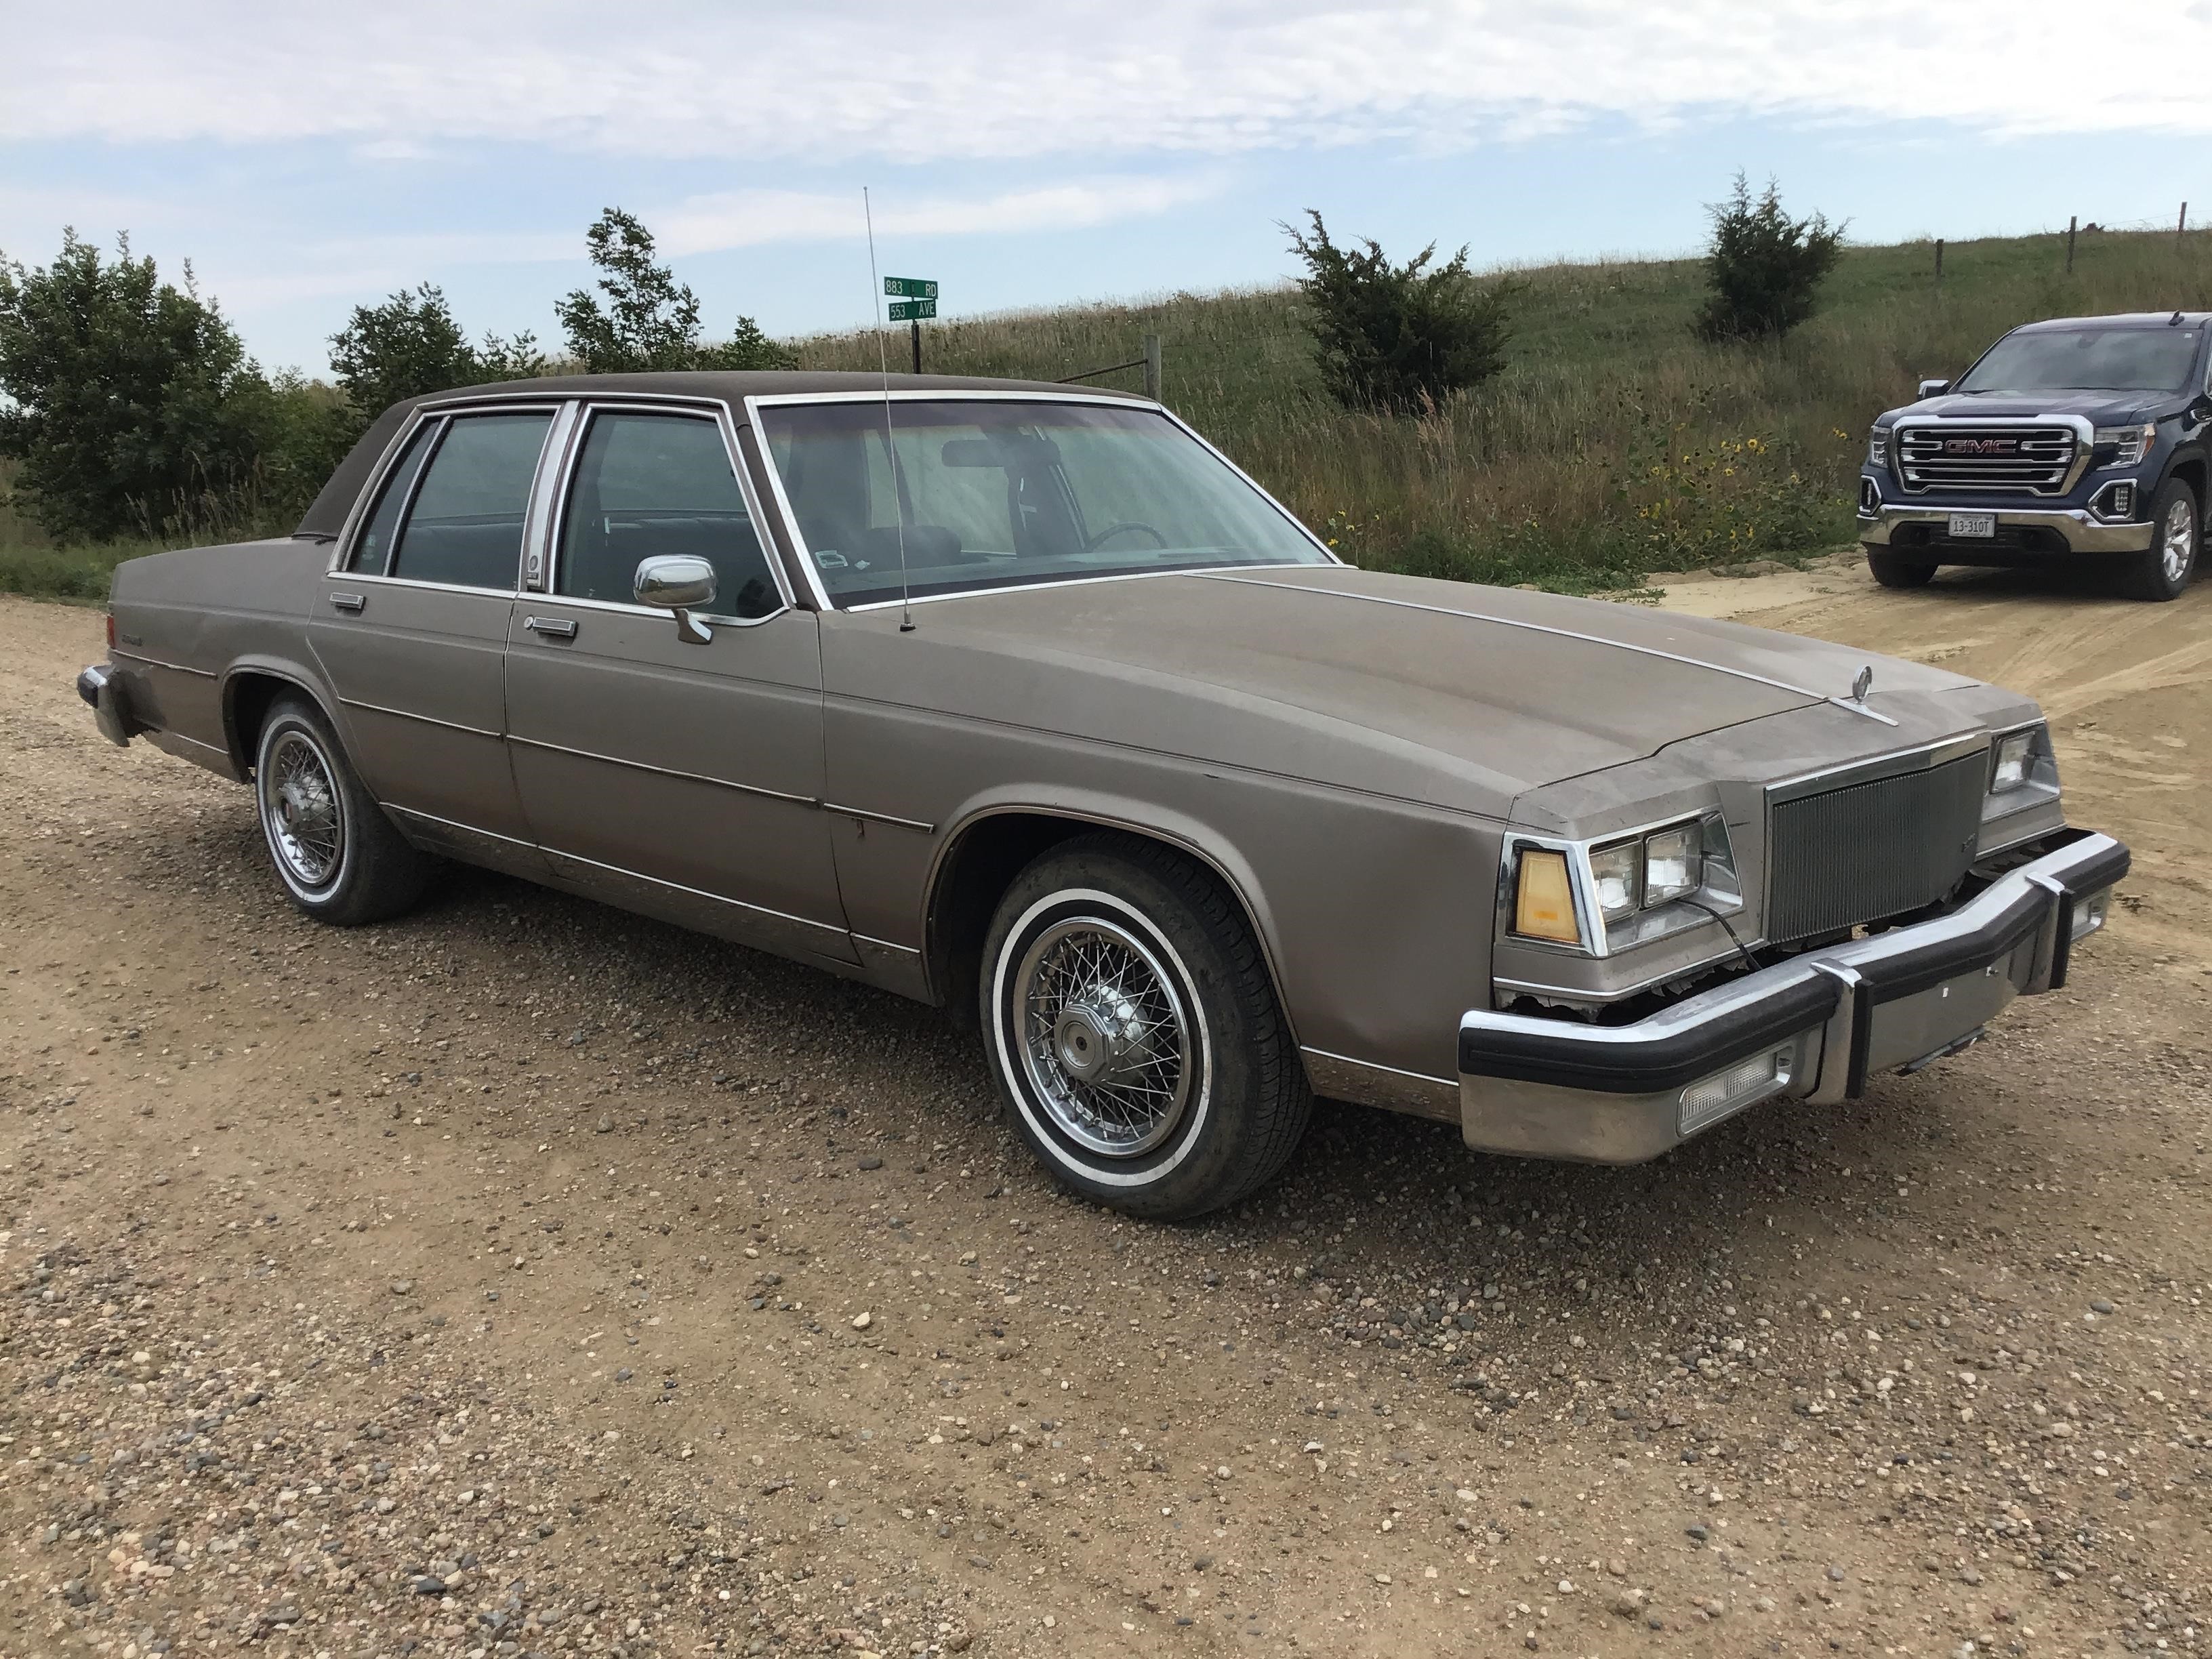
(1863, 685)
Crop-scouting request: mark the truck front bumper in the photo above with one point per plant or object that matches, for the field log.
(2080, 530)
(1814, 1027)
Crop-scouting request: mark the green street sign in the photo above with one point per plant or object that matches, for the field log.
(909, 287)
(907, 310)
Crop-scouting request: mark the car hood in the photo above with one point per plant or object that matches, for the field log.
(1435, 690)
(2108, 408)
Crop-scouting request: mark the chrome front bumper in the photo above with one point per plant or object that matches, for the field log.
(1814, 1027)
(2083, 531)
(98, 686)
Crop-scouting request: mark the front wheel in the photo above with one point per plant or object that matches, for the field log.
(1897, 570)
(1133, 1032)
(338, 856)
(2163, 570)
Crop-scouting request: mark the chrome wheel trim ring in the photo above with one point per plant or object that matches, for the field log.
(1105, 1036)
(1198, 1108)
(2177, 540)
(303, 812)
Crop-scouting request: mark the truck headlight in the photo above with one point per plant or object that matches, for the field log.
(1877, 447)
(2015, 754)
(2130, 443)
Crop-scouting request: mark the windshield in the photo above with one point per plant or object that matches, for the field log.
(991, 494)
(2085, 360)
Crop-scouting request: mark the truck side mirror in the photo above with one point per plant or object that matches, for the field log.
(680, 584)
(1934, 388)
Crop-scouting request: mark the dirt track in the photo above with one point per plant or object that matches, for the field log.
(494, 1283)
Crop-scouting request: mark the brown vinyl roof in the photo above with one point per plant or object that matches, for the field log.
(327, 516)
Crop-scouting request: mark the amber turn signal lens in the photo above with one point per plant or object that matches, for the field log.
(1543, 898)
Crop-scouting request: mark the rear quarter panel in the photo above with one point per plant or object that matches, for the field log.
(185, 621)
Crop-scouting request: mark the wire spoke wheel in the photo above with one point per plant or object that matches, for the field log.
(301, 803)
(1105, 1036)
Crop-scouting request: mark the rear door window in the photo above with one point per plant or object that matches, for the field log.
(649, 485)
(465, 527)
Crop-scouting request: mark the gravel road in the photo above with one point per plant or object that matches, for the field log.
(523, 1277)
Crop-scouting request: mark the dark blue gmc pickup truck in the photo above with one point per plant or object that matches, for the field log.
(2083, 437)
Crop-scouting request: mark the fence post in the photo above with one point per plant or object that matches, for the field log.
(1152, 366)
(2180, 227)
(1939, 262)
(2072, 220)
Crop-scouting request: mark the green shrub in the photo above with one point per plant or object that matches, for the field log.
(1399, 338)
(1765, 269)
(410, 346)
(124, 392)
(649, 319)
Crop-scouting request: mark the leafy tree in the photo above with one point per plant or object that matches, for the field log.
(1764, 269)
(1399, 338)
(649, 319)
(126, 395)
(410, 345)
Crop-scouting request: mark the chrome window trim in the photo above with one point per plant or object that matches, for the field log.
(442, 410)
(665, 405)
(1097, 399)
(537, 523)
(430, 587)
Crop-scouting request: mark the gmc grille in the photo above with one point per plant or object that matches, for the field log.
(2037, 459)
(1871, 850)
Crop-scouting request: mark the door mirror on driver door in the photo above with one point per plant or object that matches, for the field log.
(681, 584)
(1934, 388)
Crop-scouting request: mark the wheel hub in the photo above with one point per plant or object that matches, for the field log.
(1094, 1039)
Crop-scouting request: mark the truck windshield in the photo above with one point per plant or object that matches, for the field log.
(2085, 360)
(979, 493)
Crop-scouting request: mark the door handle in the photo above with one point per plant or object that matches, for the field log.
(551, 627)
(349, 601)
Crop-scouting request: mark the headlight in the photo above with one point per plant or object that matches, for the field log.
(2015, 754)
(1619, 874)
(1673, 864)
(2130, 443)
(1877, 447)
(1544, 897)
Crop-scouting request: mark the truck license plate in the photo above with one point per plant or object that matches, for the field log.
(1983, 524)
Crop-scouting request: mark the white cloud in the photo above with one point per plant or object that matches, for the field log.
(834, 79)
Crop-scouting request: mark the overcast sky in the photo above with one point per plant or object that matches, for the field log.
(311, 156)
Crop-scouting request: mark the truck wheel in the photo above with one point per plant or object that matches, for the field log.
(1132, 1028)
(1894, 569)
(338, 856)
(2163, 570)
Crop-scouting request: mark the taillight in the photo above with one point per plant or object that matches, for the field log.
(111, 631)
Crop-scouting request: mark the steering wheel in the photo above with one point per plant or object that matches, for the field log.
(1114, 530)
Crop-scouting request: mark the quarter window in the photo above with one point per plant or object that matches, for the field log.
(371, 554)
(465, 527)
(647, 485)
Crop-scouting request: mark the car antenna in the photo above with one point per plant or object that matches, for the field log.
(891, 448)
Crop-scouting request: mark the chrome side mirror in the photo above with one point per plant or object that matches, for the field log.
(1934, 388)
(679, 584)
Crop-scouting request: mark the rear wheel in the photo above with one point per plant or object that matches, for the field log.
(1133, 1032)
(2164, 570)
(1893, 569)
(338, 856)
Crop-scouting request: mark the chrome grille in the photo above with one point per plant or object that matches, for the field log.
(2035, 458)
(1871, 850)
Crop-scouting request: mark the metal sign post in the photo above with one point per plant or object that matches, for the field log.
(913, 298)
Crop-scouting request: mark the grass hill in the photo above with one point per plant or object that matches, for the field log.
(1613, 443)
